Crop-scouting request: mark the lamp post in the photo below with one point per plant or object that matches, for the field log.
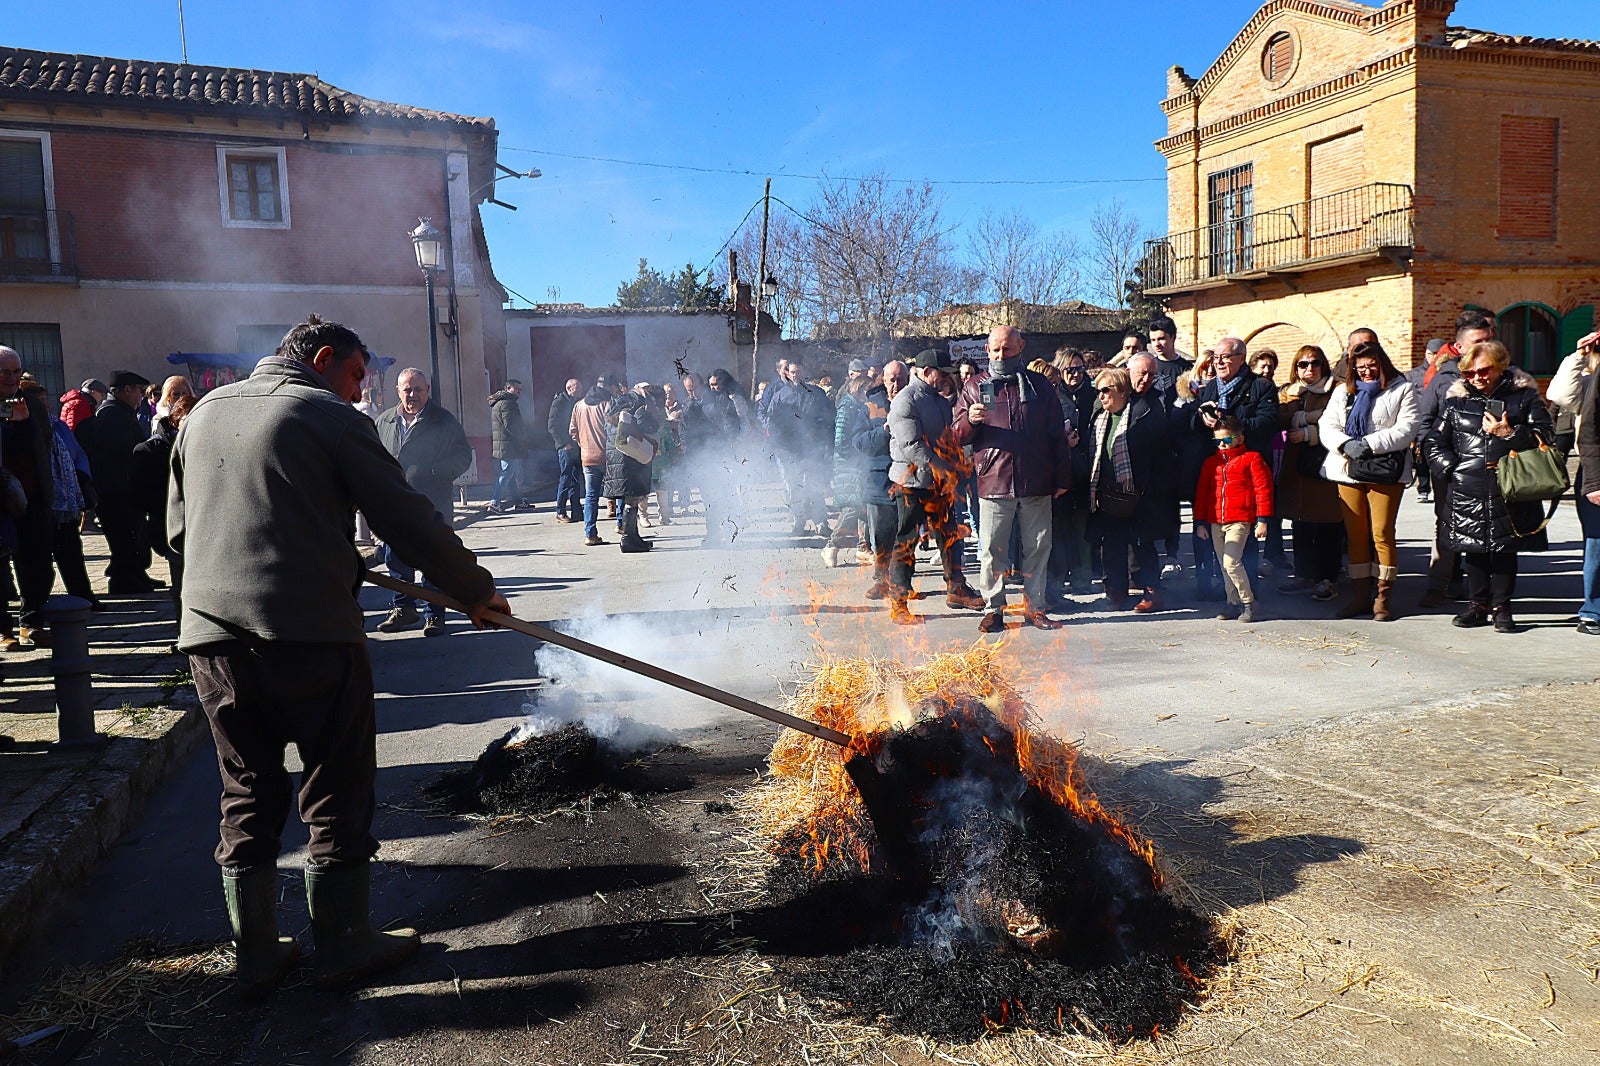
(428, 243)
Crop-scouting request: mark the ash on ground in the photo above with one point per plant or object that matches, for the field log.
(1004, 907)
(529, 772)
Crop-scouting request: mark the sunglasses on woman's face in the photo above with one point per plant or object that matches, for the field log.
(1108, 388)
(1308, 365)
(1478, 372)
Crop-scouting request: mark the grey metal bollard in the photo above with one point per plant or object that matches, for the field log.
(68, 618)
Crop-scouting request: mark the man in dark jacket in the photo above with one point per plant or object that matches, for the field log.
(1240, 392)
(433, 451)
(569, 471)
(266, 478)
(1011, 419)
(509, 445)
(800, 420)
(113, 435)
(26, 439)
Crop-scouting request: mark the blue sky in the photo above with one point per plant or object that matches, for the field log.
(948, 92)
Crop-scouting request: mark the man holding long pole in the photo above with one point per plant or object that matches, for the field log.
(266, 476)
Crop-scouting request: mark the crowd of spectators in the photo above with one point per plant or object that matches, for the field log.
(1061, 472)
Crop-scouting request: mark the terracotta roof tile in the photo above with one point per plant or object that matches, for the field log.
(1462, 37)
(53, 77)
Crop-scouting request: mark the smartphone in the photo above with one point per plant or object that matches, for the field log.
(986, 393)
(1496, 408)
(1210, 408)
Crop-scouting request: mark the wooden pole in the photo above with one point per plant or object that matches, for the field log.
(617, 659)
(760, 283)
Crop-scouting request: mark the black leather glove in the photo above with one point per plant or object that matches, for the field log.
(1356, 448)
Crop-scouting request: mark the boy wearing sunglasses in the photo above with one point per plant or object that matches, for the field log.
(1234, 495)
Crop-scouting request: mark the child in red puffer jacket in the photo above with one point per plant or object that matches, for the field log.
(1235, 491)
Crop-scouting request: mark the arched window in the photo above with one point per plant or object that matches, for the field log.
(1532, 334)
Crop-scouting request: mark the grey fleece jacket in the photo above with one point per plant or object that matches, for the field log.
(266, 476)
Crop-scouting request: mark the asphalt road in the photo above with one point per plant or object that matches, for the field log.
(1135, 690)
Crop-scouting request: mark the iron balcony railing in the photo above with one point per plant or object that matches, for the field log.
(37, 244)
(1370, 218)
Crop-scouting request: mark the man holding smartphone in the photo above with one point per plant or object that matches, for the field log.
(1012, 420)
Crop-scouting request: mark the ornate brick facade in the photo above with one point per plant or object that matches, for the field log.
(1400, 171)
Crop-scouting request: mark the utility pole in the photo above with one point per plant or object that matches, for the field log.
(760, 284)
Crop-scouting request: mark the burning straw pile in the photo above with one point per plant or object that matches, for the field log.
(987, 887)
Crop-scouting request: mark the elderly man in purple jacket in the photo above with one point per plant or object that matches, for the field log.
(1022, 457)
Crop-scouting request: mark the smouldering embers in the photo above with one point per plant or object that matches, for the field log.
(1017, 898)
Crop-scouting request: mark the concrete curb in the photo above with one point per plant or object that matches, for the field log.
(97, 801)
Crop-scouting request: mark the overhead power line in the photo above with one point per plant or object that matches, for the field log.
(742, 172)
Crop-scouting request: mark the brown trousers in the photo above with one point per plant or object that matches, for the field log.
(262, 697)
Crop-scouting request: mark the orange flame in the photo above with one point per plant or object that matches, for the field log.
(866, 699)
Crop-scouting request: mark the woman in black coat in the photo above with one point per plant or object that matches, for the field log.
(1463, 450)
(1131, 447)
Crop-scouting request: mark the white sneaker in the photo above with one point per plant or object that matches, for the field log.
(830, 556)
(1171, 570)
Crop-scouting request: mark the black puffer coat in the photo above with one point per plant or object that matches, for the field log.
(1458, 452)
(508, 432)
(626, 477)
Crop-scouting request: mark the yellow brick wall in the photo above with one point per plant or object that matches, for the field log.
(1433, 125)
(1323, 314)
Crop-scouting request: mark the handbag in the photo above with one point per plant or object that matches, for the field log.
(1383, 468)
(1117, 502)
(16, 499)
(1308, 460)
(1539, 474)
(640, 449)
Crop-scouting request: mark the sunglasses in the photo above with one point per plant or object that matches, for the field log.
(1228, 442)
(1480, 372)
(1073, 370)
(1308, 364)
(1108, 388)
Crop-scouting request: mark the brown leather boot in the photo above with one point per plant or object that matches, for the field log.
(1360, 601)
(1380, 606)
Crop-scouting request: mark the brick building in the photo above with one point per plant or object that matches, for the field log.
(1344, 165)
(149, 208)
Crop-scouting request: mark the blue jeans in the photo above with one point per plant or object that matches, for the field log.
(402, 572)
(593, 478)
(1589, 515)
(569, 483)
(506, 490)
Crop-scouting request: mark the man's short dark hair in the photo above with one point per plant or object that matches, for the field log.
(1165, 324)
(1136, 335)
(512, 383)
(1473, 319)
(304, 341)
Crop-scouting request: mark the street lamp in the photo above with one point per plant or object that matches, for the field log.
(428, 243)
(769, 288)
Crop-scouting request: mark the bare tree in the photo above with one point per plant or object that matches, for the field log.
(878, 251)
(1016, 262)
(1116, 245)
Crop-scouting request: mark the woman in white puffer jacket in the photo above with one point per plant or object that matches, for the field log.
(1374, 413)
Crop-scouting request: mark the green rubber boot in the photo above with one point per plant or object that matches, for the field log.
(261, 956)
(348, 948)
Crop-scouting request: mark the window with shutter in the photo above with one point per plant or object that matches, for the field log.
(1277, 59)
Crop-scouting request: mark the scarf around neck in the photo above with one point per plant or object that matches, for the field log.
(1359, 422)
